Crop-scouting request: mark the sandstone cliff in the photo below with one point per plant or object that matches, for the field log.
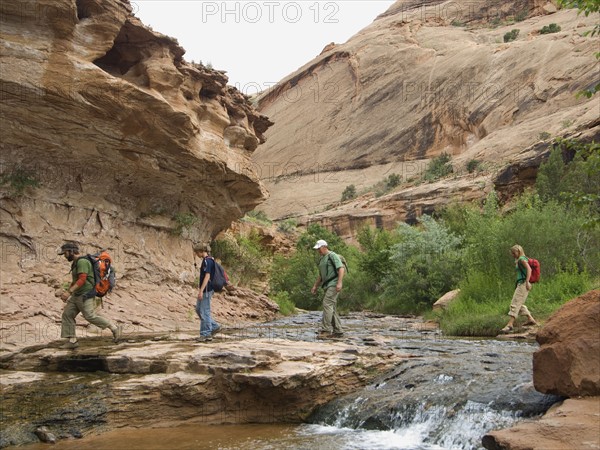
(426, 78)
(111, 139)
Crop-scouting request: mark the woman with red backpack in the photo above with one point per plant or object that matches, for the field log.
(523, 286)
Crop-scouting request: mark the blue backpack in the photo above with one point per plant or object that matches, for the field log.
(219, 278)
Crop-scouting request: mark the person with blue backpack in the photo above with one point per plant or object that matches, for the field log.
(208, 327)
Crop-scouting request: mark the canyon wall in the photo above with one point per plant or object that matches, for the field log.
(426, 78)
(110, 138)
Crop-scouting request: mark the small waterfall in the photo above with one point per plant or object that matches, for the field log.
(447, 396)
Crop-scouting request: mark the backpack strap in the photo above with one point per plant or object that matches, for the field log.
(330, 260)
(522, 270)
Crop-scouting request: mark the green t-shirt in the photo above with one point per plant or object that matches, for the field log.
(521, 270)
(83, 265)
(327, 271)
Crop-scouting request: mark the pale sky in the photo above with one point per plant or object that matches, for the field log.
(258, 42)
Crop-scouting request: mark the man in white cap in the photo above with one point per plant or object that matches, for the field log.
(331, 274)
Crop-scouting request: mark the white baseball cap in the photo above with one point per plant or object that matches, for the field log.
(320, 243)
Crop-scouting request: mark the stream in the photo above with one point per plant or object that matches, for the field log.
(447, 395)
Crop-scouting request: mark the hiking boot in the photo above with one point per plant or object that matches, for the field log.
(322, 334)
(338, 334)
(215, 331)
(69, 345)
(117, 333)
(204, 339)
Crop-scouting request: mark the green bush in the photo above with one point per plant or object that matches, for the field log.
(533, 224)
(286, 306)
(423, 266)
(511, 35)
(287, 226)
(438, 167)
(183, 222)
(473, 165)
(552, 28)
(18, 180)
(544, 136)
(243, 257)
(575, 184)
(349, 193)
(393, 180)
(296, 274)
(259, 217)
(521, 15)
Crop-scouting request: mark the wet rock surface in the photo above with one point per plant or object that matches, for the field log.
(451, 391)
(276, 372)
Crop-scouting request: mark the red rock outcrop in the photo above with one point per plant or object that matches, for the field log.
(567, 364)
(568, 361)
(570, 425)
(110, 138)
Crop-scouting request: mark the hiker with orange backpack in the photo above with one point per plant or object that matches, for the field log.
(79, 297)
(525, 276)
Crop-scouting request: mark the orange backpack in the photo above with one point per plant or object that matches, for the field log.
(104, 274)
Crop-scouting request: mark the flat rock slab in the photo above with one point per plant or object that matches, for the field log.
(102, 386)
(573, 424)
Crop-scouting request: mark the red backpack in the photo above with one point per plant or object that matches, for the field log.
(535, 270)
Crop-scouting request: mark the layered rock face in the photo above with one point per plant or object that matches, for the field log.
(425, 78)
(111, 139)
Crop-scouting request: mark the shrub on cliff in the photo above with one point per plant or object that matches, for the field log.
(511, 35)
(18, 180)
(552, 28)
(349, 193)
(243, 256)
(438, 167)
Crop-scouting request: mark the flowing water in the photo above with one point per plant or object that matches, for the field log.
(446, 395)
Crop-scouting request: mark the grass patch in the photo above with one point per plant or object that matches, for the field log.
(258, 217)
(469, 317)
(286, 306)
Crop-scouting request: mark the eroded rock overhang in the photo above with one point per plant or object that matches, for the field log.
(99, 108)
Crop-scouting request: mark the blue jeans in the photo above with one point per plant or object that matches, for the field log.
(207, 324)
